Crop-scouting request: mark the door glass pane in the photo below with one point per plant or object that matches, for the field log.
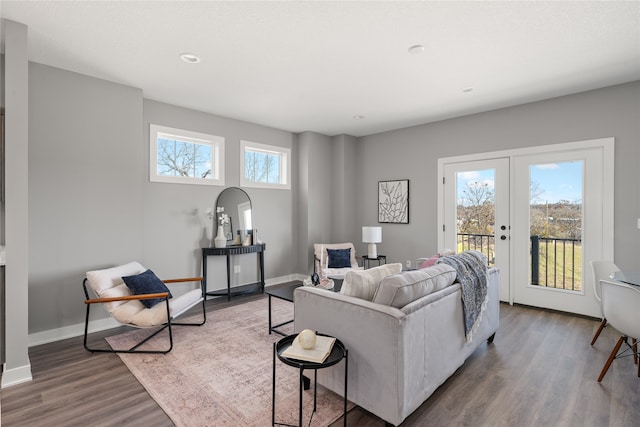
(555, 218)
(475, 212)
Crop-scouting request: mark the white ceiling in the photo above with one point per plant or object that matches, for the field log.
(314, 65)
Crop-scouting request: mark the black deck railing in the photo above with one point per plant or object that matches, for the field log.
(484, 243)
(555, 263)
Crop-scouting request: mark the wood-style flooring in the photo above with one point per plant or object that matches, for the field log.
(540, 371)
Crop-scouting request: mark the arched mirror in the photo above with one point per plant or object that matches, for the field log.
(236, 205)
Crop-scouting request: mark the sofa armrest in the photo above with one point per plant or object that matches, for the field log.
(375, 336)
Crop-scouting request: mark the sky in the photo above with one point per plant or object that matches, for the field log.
(556, 181)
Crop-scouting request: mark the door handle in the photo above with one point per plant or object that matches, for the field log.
(503, 237)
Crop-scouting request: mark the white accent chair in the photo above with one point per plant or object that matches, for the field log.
(620, 302)
(321, 262)
(602, 270)
(116, 297)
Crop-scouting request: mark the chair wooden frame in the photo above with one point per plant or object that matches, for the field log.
(164, 296)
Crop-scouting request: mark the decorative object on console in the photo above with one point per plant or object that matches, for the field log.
(372, 235)
(393, 201)
(220, 241)
(247, 240)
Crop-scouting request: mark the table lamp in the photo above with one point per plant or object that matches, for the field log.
(372, 235)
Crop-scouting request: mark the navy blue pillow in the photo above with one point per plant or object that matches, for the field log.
(339, 258)
(146, 283)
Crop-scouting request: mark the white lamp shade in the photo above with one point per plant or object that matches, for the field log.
(371, 234)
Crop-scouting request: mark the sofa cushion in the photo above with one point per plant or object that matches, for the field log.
(399, 290)
(364, 283)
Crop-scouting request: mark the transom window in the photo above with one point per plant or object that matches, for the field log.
(185, 157)
(264, 166)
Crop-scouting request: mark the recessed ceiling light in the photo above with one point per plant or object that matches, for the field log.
(416, 49)
(358, 117)
(467, 89)
(190, 58)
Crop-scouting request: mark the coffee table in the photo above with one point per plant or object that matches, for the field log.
(284, 293)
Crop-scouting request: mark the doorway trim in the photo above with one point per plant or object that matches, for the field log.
(608, 166)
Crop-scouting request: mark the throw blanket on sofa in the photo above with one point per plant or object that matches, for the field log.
(471, 270)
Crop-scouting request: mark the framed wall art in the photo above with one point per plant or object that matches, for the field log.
(393, 201)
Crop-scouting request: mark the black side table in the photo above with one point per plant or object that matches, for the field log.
(338, 352)
(366, 260)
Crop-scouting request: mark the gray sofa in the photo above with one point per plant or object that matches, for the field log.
(398, 355)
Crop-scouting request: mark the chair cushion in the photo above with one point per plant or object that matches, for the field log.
(339, 258)
(399, 290)
(146, 283)
(364, 283)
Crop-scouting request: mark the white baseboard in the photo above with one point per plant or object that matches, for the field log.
(15, 376)
(71, 331)
(97, 325)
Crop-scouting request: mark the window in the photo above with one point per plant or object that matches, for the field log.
(185, 157)
(265, 166)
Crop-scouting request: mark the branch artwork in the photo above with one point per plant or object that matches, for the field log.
(393, 201)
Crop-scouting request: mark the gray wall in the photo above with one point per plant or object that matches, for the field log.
(86, 207)
(92, 205)
(326, 194)
(176, 226)
(413, 153)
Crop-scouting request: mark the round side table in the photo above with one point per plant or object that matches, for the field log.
(338, 352)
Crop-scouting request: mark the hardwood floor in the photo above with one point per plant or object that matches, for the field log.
(540, 371)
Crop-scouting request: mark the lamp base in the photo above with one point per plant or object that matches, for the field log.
(373, 251)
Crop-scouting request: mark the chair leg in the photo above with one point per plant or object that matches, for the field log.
(634, 348)
(600, 328)
(611, 357)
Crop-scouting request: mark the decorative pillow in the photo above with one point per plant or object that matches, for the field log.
(401, 289)
(339, 258)
(429, 262)
(146, 283)
(364, 283)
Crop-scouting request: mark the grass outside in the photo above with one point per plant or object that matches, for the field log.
(560, 266)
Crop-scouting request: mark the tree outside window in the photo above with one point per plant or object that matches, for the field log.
(185, 157)
(264, 166)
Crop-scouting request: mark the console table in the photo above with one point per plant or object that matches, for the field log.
(228, 251)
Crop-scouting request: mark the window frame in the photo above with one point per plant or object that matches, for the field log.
(216, 143)
(285, 165)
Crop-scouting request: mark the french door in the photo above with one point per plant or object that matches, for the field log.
(540, 214)
(476, 212)
(559, 227)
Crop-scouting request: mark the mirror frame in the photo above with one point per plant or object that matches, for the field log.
(234, 217)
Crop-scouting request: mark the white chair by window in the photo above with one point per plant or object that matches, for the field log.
(135, 297)
(602, 270)
(332, 260)
(620, 302)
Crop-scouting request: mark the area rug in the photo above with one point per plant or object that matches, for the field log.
(220, 374)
